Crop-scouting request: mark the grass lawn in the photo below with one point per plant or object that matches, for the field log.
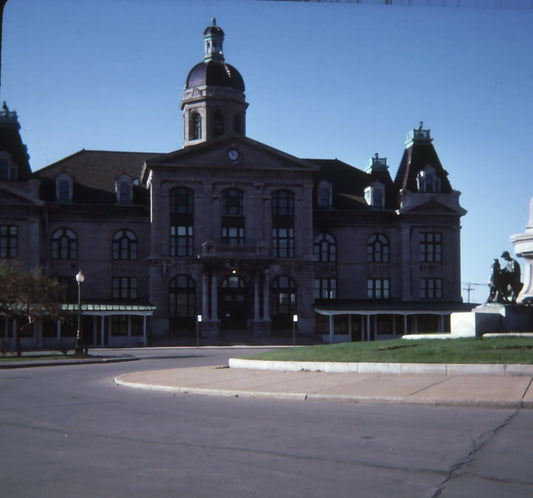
(518, 350)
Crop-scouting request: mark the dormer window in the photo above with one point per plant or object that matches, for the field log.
(375, 195)
(324, 194)
(427, 180)
(124, 189)
(64, 187)
(8, 171)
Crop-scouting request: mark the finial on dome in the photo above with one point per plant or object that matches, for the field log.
(213, 40)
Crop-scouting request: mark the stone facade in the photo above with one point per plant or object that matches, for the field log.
(247, 237)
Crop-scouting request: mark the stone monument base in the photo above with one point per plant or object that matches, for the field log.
(492, 318)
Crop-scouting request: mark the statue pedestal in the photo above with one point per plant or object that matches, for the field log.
(492, 318)
(523, 247)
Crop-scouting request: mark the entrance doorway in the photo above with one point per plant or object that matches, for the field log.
(232, 303)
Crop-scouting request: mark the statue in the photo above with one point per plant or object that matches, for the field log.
(494, 282)
(505, 284)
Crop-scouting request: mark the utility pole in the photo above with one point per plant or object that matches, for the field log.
(470, 287)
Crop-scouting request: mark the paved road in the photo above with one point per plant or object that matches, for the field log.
(69, 431)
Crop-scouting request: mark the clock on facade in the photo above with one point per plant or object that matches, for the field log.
(233, 154)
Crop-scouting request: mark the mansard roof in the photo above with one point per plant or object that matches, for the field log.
(418, 154)
(11, 142)
(94, 173)
(349, 183)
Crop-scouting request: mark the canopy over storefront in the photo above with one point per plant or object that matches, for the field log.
(367, 309)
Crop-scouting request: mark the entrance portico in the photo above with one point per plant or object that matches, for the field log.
(235, 296)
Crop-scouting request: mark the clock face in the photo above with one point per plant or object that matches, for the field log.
(233, 154)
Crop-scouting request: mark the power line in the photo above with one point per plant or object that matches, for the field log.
(470, 286)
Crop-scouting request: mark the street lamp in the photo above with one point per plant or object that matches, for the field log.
(80, 277)
(294, 322)
(198, 321)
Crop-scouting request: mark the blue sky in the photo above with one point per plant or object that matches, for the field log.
(324, 80)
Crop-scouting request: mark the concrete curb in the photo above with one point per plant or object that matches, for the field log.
(384, 368)
(300, 396)
(58, 363)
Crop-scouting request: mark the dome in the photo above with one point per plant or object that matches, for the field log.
(215, 73)
(213, 30)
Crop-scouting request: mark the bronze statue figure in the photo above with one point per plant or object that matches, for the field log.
(505, 284)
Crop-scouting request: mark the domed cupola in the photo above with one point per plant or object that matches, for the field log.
(213, 102)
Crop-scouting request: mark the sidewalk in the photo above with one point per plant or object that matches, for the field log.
(499, 391)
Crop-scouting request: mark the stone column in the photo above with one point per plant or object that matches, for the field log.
(266, 296)
(214, 298)
(257, 281)
(205, 295)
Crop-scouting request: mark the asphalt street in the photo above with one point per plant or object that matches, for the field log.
(69, 431)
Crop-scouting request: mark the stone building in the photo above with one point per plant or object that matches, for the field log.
(233, 232)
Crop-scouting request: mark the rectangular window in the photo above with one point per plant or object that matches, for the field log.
(283, 242)
(181, 240)
(8, 241)
(124, 287)
(430, 247)
(325, 288)
(234, 236)
(431, 288)
(378, 288)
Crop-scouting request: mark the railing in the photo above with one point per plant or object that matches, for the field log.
(233, 251)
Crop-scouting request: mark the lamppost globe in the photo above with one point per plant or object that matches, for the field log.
(80, 277)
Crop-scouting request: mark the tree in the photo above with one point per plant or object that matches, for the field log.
(27, 296)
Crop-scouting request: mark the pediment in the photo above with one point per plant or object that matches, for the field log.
(230, 153)
(438, 203)
(433, 207)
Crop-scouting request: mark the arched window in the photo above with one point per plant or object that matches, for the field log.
(124, 245)
(181, 201)
(195, 126)
(283, 224)
(283, 300)
(233, 202)
(233, 219)
(237, 124)
(182, 301)
(378, 250)
(325, 248)
(64, 244)
(181, 221)
(218, 124)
